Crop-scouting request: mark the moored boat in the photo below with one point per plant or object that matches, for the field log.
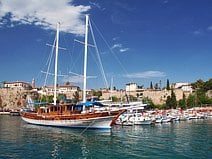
(15, 113)
(82, 115)
(133, 118)
(69, 116)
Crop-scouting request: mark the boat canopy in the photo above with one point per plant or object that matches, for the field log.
(89, 104)
(38, 103)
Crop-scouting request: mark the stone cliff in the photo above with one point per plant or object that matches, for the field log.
(12, 98)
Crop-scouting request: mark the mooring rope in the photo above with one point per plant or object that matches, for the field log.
(87, 128)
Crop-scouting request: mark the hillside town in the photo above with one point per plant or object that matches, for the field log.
(14, 95)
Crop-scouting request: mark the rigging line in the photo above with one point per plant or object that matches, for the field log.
(77, 58)
(94, 58)
(72, 56)
(52, 74)
(66, 43)
(125, 71)
(83, 43)
(50, 61)
(62, 48)
(98, 56)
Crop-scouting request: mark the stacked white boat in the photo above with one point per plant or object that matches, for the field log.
(132, 118)
(142, 117)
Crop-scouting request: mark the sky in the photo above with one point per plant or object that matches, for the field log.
(138, 41)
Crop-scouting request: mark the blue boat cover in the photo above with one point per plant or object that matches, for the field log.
(38, 103)
(89, 103)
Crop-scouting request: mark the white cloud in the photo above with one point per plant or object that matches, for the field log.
(117, 46)
(209, 28)
(115, 38)
(97, 5)
(124, 49)
(198, 32)
(45, 13)
(147, 74)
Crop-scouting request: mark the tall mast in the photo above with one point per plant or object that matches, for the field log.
(56, 62)
(85, 58)
(111, 88)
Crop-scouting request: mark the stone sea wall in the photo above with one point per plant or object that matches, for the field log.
(12, 98)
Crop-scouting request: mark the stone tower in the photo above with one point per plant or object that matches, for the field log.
(33, 83)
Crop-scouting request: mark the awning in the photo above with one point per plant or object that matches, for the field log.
(89, 104)
(38, 103)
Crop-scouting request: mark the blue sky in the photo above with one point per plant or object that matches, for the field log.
(146, 40)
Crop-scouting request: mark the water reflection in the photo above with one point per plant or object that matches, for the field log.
(65, 141)
(191, 139)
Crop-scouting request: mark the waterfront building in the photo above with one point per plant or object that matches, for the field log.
(134, 90)
(131, 87)
(17, 84)
(66, 89)
(186, 87)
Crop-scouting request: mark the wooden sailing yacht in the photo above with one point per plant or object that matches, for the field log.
(81, 115)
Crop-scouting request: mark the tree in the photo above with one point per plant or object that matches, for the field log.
(97, 93)
(1, 105)
(156, 86)
(171, 101)
(167, 85)
(160, 84)
(141, 87)
(208, 85)
(182, 102)
(168, 102)
(198, 84)
(76, 97)
(61, 97)
(191, 101)
(148, 101)
(67, 83)
(48, 99)
(151, 85)
(132, 98)
(115, 99)
(201, 89)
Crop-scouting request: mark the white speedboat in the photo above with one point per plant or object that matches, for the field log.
(133, 118)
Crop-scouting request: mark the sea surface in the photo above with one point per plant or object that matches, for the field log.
(187, 139)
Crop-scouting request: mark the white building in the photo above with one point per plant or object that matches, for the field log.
(184, 86)
(61, 89)
(17, 84)
(131, 87)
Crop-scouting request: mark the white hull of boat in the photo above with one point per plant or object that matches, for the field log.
(93, 123)
(158, 121)
(144, 122)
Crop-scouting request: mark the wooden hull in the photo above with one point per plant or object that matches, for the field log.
(101, 120)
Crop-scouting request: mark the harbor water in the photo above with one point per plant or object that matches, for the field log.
(186, 139)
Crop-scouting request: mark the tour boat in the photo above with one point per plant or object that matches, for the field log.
(70, 116)
(82, 115)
